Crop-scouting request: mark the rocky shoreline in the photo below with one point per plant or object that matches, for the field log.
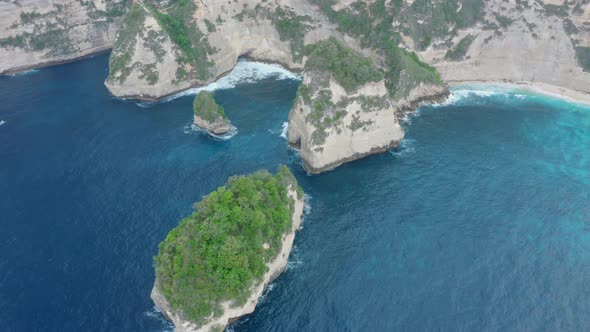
(230, 313)
(216, 128)
(49, 63)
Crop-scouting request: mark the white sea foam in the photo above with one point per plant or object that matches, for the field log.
(295, 260)
(156, 314)
(2, 122)
(244, 72)
(285, 129)
(267, 290)
(461, 93)
(192, 128)
(306, 204)
(408, 116)
(28, 72)
(405, 147)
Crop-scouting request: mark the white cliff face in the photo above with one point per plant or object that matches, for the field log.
(37, 33)
(152, 64)
(231, 312)
(367, 125)
(533, 45)
(232, 29)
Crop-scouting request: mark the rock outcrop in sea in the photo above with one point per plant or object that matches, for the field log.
(209, 115)
(343, 110)
(193, 282)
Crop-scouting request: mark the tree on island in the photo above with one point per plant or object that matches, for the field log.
(222, 249)
(209, 115)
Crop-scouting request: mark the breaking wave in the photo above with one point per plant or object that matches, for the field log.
(156, 314)
(295, 261)
(481, 93)
(405, 147)
(243, 72)
(192, 128)
(24, 73)
(285, 129)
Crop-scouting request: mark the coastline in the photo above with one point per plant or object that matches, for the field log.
(535, 88)
(56, 62)
(230, 312)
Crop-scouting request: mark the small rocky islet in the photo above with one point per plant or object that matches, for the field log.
(210, 116)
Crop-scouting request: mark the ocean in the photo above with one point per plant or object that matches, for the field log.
(478, 221)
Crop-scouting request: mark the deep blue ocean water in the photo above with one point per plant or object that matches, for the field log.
(479, 221)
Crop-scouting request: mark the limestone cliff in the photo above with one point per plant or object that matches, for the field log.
(37, 33)
(145, 60)
(202, 40)
(343, 110)
(544, 41)
(351, 127)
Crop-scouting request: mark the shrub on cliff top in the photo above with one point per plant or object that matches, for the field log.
(218, 252)
(348, 68)
(206, 108)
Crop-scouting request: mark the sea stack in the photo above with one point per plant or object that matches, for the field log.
(209, 115)
(213, 267)
(342, 111)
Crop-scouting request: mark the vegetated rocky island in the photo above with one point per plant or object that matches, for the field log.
(209, 115)
(213, 267)
(160, 47)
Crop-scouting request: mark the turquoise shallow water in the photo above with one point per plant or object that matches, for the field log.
(478, 221)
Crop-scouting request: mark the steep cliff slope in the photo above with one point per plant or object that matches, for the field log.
(36, 33)
(518, 40)
(339, 115)
(203, 40)
(208, 37)
(342, 110)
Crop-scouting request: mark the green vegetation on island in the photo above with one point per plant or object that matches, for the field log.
(51, 31)
(221, 250)
(583, 55)
(290, 26)
(177, 20)
(327, 59)
(373, 25)
(207, 109)
(120, 62)
(460, 50)
(349, 69)
(504, 21)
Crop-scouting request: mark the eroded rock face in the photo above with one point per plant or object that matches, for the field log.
(343, 110)
(144, 61)
(209, 115)
(226, 31)
(37, 33)
(351, 126)
(533, 41)
(217, 127)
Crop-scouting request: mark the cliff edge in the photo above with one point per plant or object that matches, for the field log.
(343, 110)
(37, 33)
